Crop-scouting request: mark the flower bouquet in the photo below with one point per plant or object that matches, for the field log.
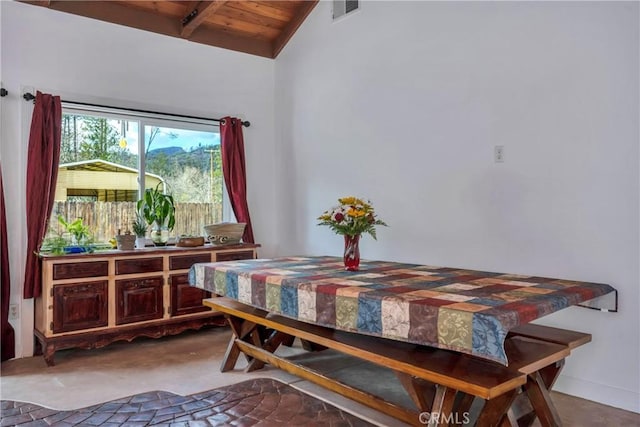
(351, 218)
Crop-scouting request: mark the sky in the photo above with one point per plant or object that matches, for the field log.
(186, 139)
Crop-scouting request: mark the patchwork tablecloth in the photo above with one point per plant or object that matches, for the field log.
(463, 310)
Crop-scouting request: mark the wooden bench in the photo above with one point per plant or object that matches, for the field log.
(438, 381)
(572, 339)
(534, 400)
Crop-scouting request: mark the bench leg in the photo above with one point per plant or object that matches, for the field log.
(421, 391)
(270, 345)
(551, 373)
(241, 329)
(537, 392)
(429, 397)
(522, 409)
(495, 410)
(464, 406)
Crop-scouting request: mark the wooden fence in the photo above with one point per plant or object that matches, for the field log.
(106, 218)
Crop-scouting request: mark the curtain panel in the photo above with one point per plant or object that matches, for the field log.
(8, 334)
(234, 171)
(42, 172)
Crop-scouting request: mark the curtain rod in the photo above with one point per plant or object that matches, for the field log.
(30, 97)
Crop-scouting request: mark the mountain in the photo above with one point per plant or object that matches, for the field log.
(167, 151)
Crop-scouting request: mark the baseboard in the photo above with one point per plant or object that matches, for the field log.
(600, 393)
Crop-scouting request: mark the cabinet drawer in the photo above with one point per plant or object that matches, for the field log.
(79, 306)
(75, 270)
(186, 299)
(183, 262)
(138, 300)
(234, 256)
(138, 265)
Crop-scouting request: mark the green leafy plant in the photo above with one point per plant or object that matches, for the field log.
(77, 229)
(157, 208)
(75, 238)
(54, 244)
(139, 226)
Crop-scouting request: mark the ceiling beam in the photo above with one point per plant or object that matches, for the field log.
(200, 13)
(219, 38)
(292, 27)
(45, 3)
(117, 13)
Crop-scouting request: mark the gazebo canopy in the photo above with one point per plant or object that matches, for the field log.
(100, 180)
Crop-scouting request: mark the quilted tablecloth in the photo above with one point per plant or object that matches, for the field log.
(462, 310)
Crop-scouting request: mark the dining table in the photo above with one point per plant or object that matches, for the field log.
(475, 323)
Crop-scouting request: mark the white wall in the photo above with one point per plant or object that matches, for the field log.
(87, 60)
(403, 103)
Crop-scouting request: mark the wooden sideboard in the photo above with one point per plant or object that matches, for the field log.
(91, 300)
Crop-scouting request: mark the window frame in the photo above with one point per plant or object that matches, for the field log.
(157, 120)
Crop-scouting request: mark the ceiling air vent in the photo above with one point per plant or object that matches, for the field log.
(344, 7)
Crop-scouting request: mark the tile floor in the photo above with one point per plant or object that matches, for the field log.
(188, 364)
(259, 402)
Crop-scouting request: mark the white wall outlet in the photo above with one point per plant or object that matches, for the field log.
(14, 311)
(498, 153)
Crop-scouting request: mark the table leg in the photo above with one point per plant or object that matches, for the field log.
(289, 341)
(442, 408)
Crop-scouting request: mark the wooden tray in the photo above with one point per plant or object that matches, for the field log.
(190, 242)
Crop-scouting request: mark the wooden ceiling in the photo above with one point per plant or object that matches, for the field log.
(256, 27)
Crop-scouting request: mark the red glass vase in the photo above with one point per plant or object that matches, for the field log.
(352, 252)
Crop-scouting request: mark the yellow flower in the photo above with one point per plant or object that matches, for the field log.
(352, 217)
(356, 213)
(350, 201)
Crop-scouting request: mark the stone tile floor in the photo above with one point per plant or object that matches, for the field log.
(188, 364)
(260, 402)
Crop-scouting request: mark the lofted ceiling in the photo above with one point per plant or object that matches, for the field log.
(260, 28)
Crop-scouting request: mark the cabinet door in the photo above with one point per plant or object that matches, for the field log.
(138, 300)
(79, 306)
(186, 299)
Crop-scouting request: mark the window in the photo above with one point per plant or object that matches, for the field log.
(108, 157)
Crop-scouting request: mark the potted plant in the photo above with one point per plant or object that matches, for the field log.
(139, 228)
(76, 238)
(158, 210)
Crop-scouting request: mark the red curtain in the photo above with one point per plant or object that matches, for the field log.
(234, 171)
(42, 172)
(8, 336)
